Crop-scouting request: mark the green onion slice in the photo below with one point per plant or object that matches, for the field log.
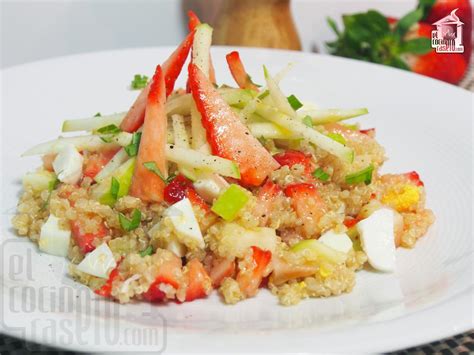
(294, 102)
(147, 251)
(365, 176)
(130, 224)
(321, 174)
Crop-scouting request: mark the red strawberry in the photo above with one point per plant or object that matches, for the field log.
(96, 162)
(250, 277)
(169, 273)
(106, 289)
(266, 197)
(238, 71)
(85, 240)
(292, 157)
(370, 132)
(443, 8)
(415, 178)
(198, 282)
(308, 205)
(181, 187)
(228, 136)
(171, 70)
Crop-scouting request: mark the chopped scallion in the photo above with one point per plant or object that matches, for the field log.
(132, 148)
(365, 176)
(263, 95)
(151, 165)
(321, 174)
(294, 102)
(130, 224)
(147, 251)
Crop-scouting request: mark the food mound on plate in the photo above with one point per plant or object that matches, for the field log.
(219, 188)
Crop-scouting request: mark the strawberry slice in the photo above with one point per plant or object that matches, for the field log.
(369, 132)
(415, 178)
(250, 277)
(96, 162)
(293, 157)
(181, 187)
(220, 269)
(308, 205)
(169, 273)
(147, 185)
(106, 289)
(227, 135)
(238, 71)
(194, 20)
(266, 197)
(198, 282)
(85, 241)
(171, 70)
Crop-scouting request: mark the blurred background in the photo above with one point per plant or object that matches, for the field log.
(34, 30)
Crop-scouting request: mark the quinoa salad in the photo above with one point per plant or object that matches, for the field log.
(219, 188)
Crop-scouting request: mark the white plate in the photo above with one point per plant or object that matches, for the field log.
(424, 124)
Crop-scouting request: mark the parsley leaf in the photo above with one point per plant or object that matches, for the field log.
(130, 224)
(151, 165)
(132, 148)
(139, 82)
(321, 174)
(114, 188)
(294, 102)
(147, 251)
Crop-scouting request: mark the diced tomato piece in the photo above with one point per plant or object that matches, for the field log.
(415, 178)
(198, 282)
(181, 187)
(238, 71)
(147, 185)
(106, 289)
(250, 278)
(293, 157)
(308, 205)
(85, 240)
(171, 70)
(169, 272)
(220, 269)
(228, 136)
(97, 161)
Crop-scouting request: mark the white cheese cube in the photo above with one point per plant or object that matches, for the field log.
(53, 240)
(377, 239)
(68, 165)
(338, 241)
(99, 262)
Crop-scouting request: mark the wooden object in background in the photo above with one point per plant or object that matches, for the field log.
(256, 23)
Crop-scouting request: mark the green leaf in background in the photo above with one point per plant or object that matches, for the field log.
(139, 82)
(404, 24)
(416, 46)
(333, 26)
(425, 6)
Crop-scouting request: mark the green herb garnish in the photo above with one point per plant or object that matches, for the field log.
(110, 129)
(151, 165)
(365, 176)
(263, 95)
(308, 121)
(294, 102)
(139, 82)
(337, 137)
(114, 188)
(132, 148)
(98, 114)
(52, 185)
(321, 174)
(130, 224)
(147, 251)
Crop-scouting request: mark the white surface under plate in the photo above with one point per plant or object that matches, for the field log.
(425, 125)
